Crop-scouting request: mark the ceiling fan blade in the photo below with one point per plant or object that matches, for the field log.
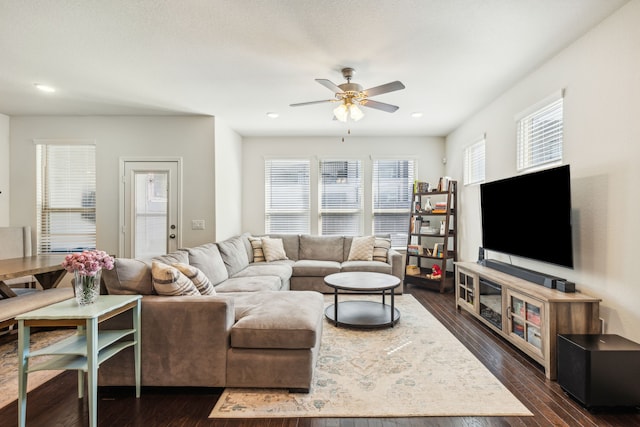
(329, 85)
(389, 87)
(311, 103)
(379, 105)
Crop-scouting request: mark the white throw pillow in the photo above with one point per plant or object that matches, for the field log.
(273, 249)
(256, 245)
(168, 280)
(197, 277)
(361, 248)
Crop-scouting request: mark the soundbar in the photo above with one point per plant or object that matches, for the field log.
(523, 273)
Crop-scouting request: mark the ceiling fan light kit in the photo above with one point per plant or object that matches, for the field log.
(351, 96)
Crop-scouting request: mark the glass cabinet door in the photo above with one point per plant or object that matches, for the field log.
(525, 320)
(466, 288)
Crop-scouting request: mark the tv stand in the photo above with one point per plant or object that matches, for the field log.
(545, 280)
(527, 315)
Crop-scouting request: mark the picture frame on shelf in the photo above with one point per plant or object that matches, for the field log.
(422, 187)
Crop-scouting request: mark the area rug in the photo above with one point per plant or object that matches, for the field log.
(9, 364)
(415, 369)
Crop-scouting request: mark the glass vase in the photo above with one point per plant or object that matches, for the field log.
(87, 288)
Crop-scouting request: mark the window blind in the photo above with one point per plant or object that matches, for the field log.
(540, 136)
(474, 163)
(66, 197)
(287, 196)
(341, 197)
(392, 188)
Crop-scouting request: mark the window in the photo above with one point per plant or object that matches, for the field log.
(392, 191)
(341, 203)
(540, 133)
(474, 163)
(287, 196)
(66, 197)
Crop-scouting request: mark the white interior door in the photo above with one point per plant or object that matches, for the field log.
(149, 213)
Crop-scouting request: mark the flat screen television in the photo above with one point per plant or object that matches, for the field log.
(529, 216)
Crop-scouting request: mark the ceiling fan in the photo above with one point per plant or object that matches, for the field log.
(351, 95)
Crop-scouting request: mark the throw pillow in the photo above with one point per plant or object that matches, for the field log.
(168, 280)
(361, 248)
(197, 277)
(381, 249)
(256, 245)
(273, 249)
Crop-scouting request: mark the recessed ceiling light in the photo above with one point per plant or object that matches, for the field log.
(44, 88)
(273, 115)
(416, 115)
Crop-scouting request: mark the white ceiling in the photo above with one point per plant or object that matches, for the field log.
(239, 59)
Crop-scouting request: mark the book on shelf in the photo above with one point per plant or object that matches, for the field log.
(414, 249)
(438, 250)
(440, 207)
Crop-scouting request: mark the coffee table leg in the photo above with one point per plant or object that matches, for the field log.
(392, 307)
(383, 292)
(335, 305)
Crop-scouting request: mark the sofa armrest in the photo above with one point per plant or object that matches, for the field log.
(184, 342)
(397, 265)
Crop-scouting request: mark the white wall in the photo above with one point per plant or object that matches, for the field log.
(600, 73)
(428, 151)
(4, 170)
(191, 138)
(228, 178)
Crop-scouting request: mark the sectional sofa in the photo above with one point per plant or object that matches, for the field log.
(261, 324)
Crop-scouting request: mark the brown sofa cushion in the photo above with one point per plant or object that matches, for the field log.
(277, 320)
(128, 277)
(282, 270)
(315, 268)
(321, 248)
(234, 253)
(207, 258)
(250, 284)
(170, 258)
(373, 266)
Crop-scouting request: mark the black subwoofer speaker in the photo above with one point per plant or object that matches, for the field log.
(599, 370)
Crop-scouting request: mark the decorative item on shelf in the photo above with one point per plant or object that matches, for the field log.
(442, 224)
(428, 207)
(87, 267)
(422, 187)
(413, 269)
(436, 272)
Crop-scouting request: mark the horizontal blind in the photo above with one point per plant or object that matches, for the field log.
(341, 197)
(287, 196)
(66, 198)
(474, 163)
(392, 186)
(540, 136)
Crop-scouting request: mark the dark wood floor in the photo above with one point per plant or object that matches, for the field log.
(55, 403)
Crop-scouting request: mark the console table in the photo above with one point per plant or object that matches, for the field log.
(85, 350)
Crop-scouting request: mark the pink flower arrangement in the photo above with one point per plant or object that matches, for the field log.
(87, 263)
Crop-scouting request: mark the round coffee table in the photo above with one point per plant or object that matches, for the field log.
(362, 314)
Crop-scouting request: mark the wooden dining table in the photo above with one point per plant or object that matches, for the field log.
(47, 269)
